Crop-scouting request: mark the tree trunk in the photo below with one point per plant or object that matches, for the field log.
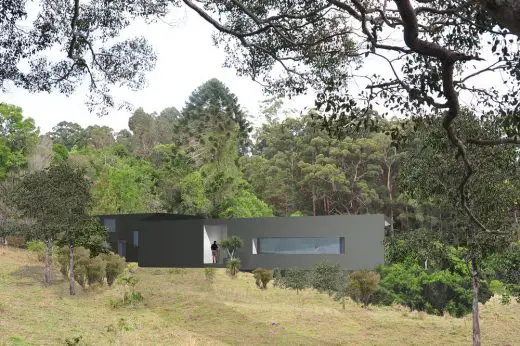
(475, 284)
(313, 202)
(72, 289)
(47, 266)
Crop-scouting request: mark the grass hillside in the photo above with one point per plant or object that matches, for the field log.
(182, 308)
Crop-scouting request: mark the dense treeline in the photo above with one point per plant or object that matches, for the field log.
(207, 159)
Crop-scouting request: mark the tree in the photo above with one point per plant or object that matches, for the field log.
(244, 204)
(56, 198)
(17, 138)
(69, 134)
(87, 35)
(296, 279)
(231, 244)
(213, 106)
(428, 69)
(100, 136)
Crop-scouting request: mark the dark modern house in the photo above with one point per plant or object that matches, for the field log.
(170, 240)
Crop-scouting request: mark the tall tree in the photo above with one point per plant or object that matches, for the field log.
(69, 134)
(87, 35)
(17, 138)
(57, 199)
(211, 100)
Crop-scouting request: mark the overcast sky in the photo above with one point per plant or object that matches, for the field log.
(186, 59)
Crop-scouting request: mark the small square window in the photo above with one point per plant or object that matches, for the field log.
(110, 224)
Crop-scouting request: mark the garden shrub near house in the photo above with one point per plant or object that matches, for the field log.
(115, 265)
(295, 279)
(96, 270)
(327, 277)
(262, 277)
(362, 285)
(233, 266)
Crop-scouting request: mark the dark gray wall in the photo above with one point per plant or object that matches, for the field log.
(172, 243)
(126, 224)
(364, 235)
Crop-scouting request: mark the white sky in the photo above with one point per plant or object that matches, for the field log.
(186, 59)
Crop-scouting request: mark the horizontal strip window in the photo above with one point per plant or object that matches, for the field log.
(300, 245)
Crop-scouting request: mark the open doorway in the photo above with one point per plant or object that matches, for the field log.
(214, 233)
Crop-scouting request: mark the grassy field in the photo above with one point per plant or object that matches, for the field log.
(182, 308)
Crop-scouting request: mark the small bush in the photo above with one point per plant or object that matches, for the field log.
(296, 279)
(362, 285)
(233, 266)
(327, 277)
(497, 287)
(209, 273)
(96, 270)
(115, 265)
(37, 247)
(277, 277)
(262, 277)
(132, 267)
(81, 260)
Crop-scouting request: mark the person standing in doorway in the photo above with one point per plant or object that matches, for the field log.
(214, 251)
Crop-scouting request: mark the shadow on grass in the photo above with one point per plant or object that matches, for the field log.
(32, 274)
(219, 322)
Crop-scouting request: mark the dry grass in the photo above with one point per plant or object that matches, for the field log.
(182, 308)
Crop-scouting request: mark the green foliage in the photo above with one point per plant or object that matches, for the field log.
(96, 270)
(124, 186)
(505, 266)
(61, 154)
(81, 262)
(262, 277)
(244, 204)
(115, 266)
(327, 277)
(17, 138)
(233, 266)
(434, 292)
(231, 244)
(130, 297)
(194, 200)
(38, 247)
(294, 278)
(362, 285)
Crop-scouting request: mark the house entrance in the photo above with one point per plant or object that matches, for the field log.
(214, 233)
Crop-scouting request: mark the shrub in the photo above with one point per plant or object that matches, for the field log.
(233, 266)
(327, 277)
(262, 277)
(209, 272)
(37, 247)
(62, 254)
(497, 287)
(115, 265)
(96, 270)
(81, 260)
(277, 278)
(132, 267)
(435, 292)
(362, 285)
(296, 279)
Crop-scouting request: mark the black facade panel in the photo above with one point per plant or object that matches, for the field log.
(172, 243)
